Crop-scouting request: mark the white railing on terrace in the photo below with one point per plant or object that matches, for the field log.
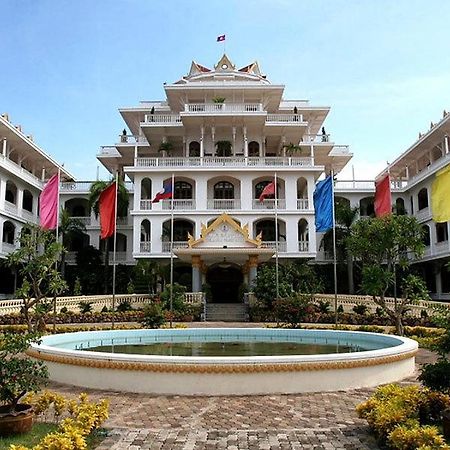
(11, 208)
(86, 221)
(15, 168)
(272, 244)
(72, 303)
(194, 297)
(179, 204)
(84, 186)
(109, 150)
(145, 247)
(441, 247)
(146, 204)
(303, 246)
(226, 161)
(339, 150)
(224, 204)
(365, 184)
(176, 244)
(222, 108)
(424, 213)
(302, 203)
(269, 203)
(314, 138)
(158, 119)
(123, 220)
(285, 118)
(132, 139)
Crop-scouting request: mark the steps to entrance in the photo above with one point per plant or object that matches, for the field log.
(226, 312)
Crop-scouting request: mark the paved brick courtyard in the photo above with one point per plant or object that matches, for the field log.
(301, 421)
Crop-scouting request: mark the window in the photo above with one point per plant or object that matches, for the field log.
(259, 187)
(223, 190)
(366, 207)
(422, 198)
(27, 201)
(11, 192)
(426, 235)
(441, 232)
(400, 209)
(194, 149)
(183, 190)
(8, 232)
(253, 148)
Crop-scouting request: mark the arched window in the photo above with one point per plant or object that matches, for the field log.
(426, 235)
(146, 189)
(27, 201)
(366, 206)
(253, 148)
(11, 192)
(77, 207)
(223, 190)
(441, 232)
(194, 149)
(8, 232)
(77, 242)
(145, 231)
(181, 229)
(259, 187)
(400, 209)
(302, 188)
(183, 190)
(422, 198)
(267, 229)
(303, 232)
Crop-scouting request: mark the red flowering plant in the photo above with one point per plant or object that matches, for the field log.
(19, 374)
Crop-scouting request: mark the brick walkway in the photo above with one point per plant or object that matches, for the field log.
(301, 421)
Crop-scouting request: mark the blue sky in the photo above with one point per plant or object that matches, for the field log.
(383, 66)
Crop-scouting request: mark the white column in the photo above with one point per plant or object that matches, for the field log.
(290, 191)
(234, 140)
(213, 138)
(245, 142)
(262, 148)
(246, 192)
(185, 147)
(201, 193)
(312, 154)
(4, 147)
(311, 186)
(19, 201)
(2, 193)
(446, 144)
(291, 233)
(43, 174)
(283, 143)
(137, 233)
(135, 153)
(202, 138)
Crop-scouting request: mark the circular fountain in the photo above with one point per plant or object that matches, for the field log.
(226, 361)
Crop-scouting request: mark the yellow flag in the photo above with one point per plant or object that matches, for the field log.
(440, 195)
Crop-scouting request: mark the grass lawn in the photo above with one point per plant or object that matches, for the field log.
(38, 431)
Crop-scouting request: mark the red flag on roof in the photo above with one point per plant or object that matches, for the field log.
(221, 38)
(107, 207)
(267, 191)
(383, 200)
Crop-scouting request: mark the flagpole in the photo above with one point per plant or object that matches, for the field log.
(114, 253)
(171, 248)
(334, 252)
(57, 240)
(277, 278)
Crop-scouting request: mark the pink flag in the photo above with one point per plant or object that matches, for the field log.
(49, 203)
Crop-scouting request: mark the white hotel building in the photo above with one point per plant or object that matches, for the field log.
(223, 134)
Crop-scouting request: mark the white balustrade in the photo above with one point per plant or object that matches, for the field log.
(132, 139)
(146, 204)
(19, 170)
(423, 214)
(146, 247)
(441, 247)
(158, 119)
(315, 138)
(7, 247)
(222, 108)
(176, 244)
(123, 220)
(302, 203)
(29, 216)
(11, 207)
(285, 118)
(272, 244)
(224, 204)
(303, 246)
(178, 204)
(86, 221)
(269, 203)
(193, 298)
(85, 186)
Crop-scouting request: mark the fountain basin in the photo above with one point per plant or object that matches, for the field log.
(380, 359)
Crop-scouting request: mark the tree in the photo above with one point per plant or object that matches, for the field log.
(345, 218)
(35, 261)
(88, 260)
(122, 210)
(69, 228)
(383, 245)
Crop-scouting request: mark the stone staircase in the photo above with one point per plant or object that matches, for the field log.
(226, 312)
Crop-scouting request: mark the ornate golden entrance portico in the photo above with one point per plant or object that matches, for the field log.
(223, 242)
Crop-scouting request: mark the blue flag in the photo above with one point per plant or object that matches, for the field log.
(323, 204)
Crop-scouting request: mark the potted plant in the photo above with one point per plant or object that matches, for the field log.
(223, 148)
(19, 375)
(165, 148)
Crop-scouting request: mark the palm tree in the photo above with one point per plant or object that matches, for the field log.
(345, 217)
(97, 187)
(292, 148)
(69, 229)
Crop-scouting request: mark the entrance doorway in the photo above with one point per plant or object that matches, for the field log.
(225, 280)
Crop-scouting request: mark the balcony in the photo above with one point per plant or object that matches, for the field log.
(176, 244)
(222, 108)
(228, 161)
(145, 247)
(423, 214)
(132, 139)
(302, 204)
(11, 208)
(315, 139)
(285, 119)
(159, 120)
(8, 248)
(19, 171)
(224, 204)
(178, 204)
(269, 203)
(146, 204)
(85, 186)
(85, 220)
(303, 246)
(273, 245)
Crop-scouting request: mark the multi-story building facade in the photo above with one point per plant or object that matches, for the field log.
(24, 167)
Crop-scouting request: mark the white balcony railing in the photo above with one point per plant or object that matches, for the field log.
(8, 248)
(85, 186)
(224, 204)
(176, 244)
(285, 118)
(29, 216)
(222, 108)
(179, 204)
(86, 221)
(269, 203)
(159, 119)
(146, 204)
(302, 203)
(132, 139)
(315, 138)
(18, 170)
(441, 247)
(272, 244)
(303, 246)
(231, 161)
(423, 214)
(145, 247)
(11, 208)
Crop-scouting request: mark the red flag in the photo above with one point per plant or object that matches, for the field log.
(107, 207)
(383, 200)
(48, 204)
(268, 190)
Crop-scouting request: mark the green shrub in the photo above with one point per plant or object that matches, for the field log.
(178, 292)
(294, 309)
(153, 315)
(85, 307)
(105, 309)
(323, 306)
(63, 310)
(340, 309)
(360, 309)
(412, 436)
(436, 376)
(124, 306)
